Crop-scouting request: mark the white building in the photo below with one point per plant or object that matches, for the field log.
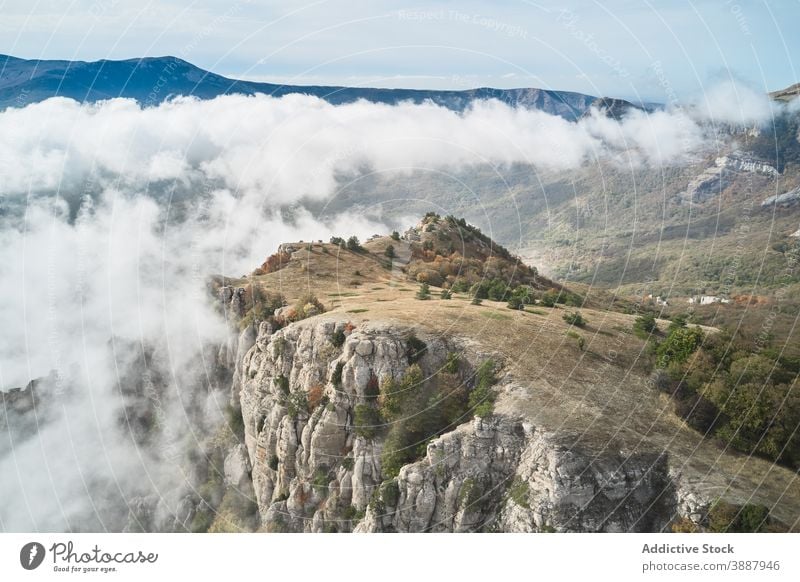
(708, 300)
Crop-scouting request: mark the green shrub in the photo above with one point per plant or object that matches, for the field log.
(520, 492)
(320, 481)
(354, 245)
(476, 301)
(721, 387)
(336, 377)
(395, 235)
(452, 364)
(549, 298)
(644, 325)
(417, 410)
(414, 415)
(469, 494)
(680, 343)
(579, 339)
(481, 398)
(389, 252)
(306, 306)
(724, 517)
(677, 321)
(273, 462)
(366, 421)
(397, 452)
(393, 394)
(515, 302)
(202, 520)
(263, 307)
(238, 505)
(296, 404)
(424, 292)
(350, 513)
(460, 285)
(574, 318)
(390, 493)
(445, 294)
(338, 338)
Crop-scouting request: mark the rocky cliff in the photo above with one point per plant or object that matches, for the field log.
(313, 470)
(712, 181)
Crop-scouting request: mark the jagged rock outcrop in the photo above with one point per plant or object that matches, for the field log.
(298, 392)
(501, 475)
(299, 389)
(233, 301)
(715, 179)
(741, 163)
(709, 183)
(23, 411)
(786, 199)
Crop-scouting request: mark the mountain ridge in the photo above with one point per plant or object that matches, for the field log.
(151, 80)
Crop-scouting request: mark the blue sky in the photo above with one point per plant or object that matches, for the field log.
(634, 49)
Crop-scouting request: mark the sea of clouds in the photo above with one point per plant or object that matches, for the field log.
(113, 217)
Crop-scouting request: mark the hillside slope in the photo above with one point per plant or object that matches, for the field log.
(722, 225)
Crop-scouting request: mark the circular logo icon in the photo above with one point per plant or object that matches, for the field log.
(31, 555)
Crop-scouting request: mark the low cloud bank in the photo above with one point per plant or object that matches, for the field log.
(113, 217)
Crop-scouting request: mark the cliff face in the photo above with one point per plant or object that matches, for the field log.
(299, 390)
(746, 164)
(712, 181)
(501, 475)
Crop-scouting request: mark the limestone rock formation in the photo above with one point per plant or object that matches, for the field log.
(311, 472)
(785, 199)
(715, 179)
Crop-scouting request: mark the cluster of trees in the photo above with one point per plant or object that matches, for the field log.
(416, 410)
(744, 395)
(351, 244)
(492, 289)
(517, 295)
(274, 262)
(452, 249)
(574, 318)
(469, 232)
(552, 297)
(263, 305)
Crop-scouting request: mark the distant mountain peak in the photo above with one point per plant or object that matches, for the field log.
(151, 80)
(786, 94)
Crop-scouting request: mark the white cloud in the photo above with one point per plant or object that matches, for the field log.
(735, 103)
(172, 194)
(289, 148)
(86, 298)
